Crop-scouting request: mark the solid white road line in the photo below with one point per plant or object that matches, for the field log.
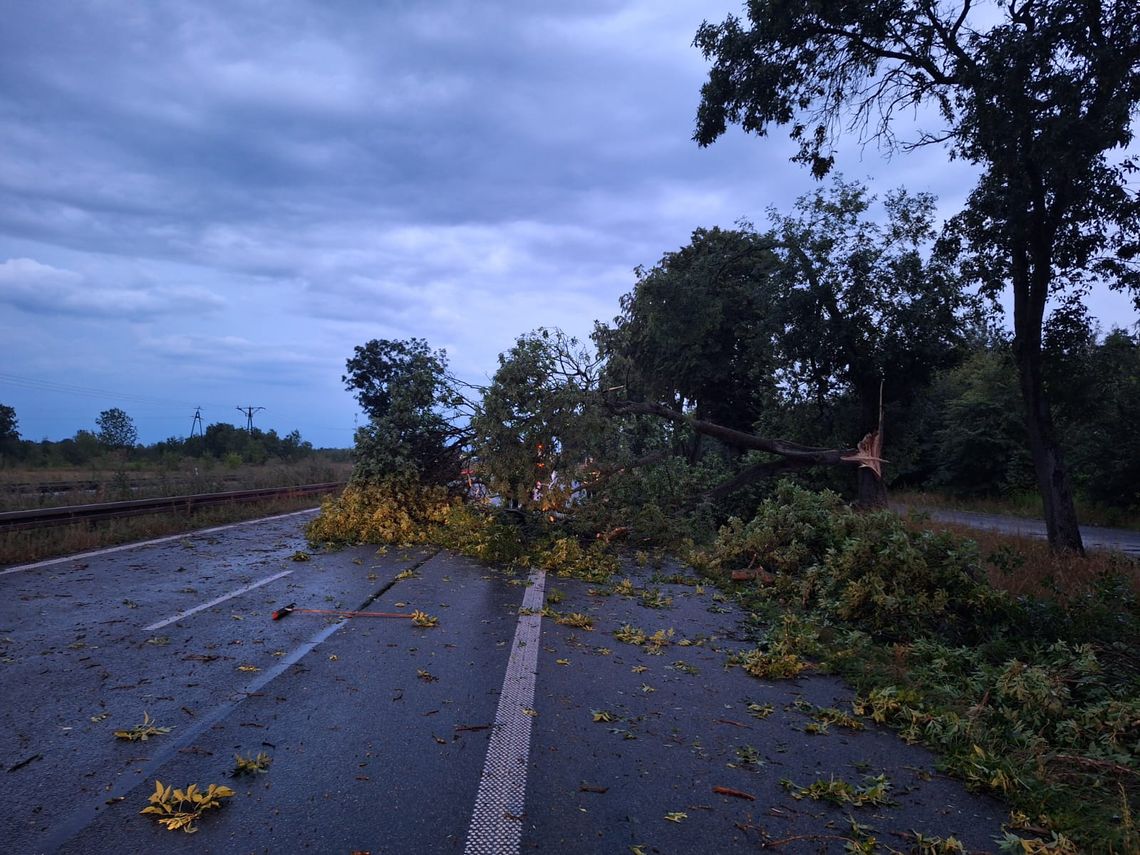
(220, 599)
(80, 555)
(496, 821)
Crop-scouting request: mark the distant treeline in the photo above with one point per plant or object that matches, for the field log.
(222, 442)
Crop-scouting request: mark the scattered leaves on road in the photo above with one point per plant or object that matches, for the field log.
(142, 732)
(180, 809)
(251, 765)
(578, 620)
(840, 792)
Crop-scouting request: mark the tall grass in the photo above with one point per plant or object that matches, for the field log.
(1026, 566)
(23, 489)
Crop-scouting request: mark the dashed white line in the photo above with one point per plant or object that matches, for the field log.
(496, 821)
(220, 599)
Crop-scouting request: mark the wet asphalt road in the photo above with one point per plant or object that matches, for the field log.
(379, 730)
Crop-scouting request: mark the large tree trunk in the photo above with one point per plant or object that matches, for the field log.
(1052, 477)
(1030, 279)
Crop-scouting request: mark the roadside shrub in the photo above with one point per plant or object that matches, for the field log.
(866, 570)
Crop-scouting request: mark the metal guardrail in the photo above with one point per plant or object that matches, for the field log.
(40, 517)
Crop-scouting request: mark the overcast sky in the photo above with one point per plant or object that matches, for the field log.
(210, 203)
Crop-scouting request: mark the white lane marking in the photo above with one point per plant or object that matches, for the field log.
(220, 599)
(132, 776)
(496, 821)
(143, 543)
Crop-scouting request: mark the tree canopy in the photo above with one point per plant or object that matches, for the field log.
(410, 401)
(538, 416)
(117, 429)
(1038, 99)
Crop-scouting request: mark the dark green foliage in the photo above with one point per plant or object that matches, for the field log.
(698, 328)
(658, 502)
(979, 445)
(792, 333)
(863, 302)
(9, 435)
(1033, 700)
(404, 389)
(1037, 99)
(8, 423)
(116, 429)
(970, 438)
(862, 569)
(539, 420)
(1098, 410)
(222, 440)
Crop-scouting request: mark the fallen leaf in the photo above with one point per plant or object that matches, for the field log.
(676, 816)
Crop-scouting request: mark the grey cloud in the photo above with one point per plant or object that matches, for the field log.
(339, 171)
(41, 289)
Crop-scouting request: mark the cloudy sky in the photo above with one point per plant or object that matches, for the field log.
(210, 203)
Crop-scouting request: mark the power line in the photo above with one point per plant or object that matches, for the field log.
(85, 391)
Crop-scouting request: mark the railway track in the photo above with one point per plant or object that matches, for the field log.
(65, 515)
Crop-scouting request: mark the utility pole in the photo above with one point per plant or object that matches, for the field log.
(197, 423)
(249, 411)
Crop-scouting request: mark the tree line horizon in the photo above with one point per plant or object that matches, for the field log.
(116, 433)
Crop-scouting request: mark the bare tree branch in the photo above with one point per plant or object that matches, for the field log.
(808, 455)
